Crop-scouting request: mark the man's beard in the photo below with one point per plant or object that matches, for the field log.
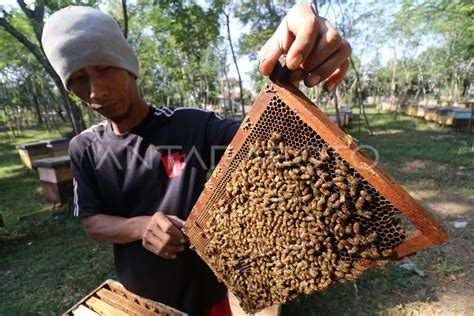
(121, 117)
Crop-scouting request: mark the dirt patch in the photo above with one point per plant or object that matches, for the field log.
(427, 166)
(451, 265)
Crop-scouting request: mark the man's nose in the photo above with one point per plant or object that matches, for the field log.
(98, 89)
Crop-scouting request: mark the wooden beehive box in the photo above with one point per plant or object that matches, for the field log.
(32, 151)
(111, 298)
(295, 243)
(56, 178)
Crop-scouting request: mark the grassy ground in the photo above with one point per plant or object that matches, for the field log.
(47, 263)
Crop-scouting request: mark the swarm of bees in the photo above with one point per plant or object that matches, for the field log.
(287, 227)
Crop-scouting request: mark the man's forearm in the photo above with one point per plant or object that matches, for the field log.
(115, 229)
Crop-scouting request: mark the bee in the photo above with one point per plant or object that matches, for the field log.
(322, 174)
(325, 191)
(333, 197)
(342, 196)
(352, 191)
(353, 250)
(356, 228)
(315, 162)
(372, 237)
(342, 244)
(305, 154)
(327, 212)
(343, 167)
(321, 203)
(327, 184)
(339, 179)
(305, 177)
(360, 202)
(319, 182)
(341, 185)
(282, 147)
(352, 181)
(275, 137)
(365, 214)
(348, 229)
(324, 154)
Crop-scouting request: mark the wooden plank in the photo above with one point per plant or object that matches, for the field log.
(103, 308)
(123, 304)
(119, 289)
(47, 174)
(58, 153)
(50, 208)
(55, 174)
(27, 158)
(416, 242)
(84, 299)
(83, 311)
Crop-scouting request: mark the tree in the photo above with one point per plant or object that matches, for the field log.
(234, 58)
(35, 18)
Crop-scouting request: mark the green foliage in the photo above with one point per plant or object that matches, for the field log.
(179, 63)
(262, 17)
(447, 268)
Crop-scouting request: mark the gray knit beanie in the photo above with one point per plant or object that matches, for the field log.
(77, 37)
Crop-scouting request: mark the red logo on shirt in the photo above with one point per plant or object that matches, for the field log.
(174, 164)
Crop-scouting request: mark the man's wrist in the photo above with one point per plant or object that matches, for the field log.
(139, 225)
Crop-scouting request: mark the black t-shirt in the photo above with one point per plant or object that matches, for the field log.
(160, 165)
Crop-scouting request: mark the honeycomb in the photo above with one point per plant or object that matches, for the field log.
(253, 280)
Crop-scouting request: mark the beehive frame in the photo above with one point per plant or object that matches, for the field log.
(283, 102)
(111, 298)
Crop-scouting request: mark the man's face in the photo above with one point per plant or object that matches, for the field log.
(111, 91)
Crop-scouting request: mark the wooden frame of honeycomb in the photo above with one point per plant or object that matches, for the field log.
(359, 208)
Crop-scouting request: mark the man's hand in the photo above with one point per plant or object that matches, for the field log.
(315, 50)
(162, 235)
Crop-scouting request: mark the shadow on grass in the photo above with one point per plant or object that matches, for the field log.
(373, 293)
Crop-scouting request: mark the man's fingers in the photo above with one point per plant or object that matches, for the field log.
(178, 222)
(328, 43)
(337, 77)
(167, 239)
(328, 66)
(269, 55)
(172, 250)
(167, 226)
(304, 25)
(169, 252)
(163, 245)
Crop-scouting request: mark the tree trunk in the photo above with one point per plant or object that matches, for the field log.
(336, 105)
(393, 85)
(241, 97)
(73, 111)
(359, 99)
(125, 18)
(39, 117)
(226, 83)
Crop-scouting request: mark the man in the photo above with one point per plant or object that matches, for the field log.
(138, 175)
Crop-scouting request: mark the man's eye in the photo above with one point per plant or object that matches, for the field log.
(76, 79)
